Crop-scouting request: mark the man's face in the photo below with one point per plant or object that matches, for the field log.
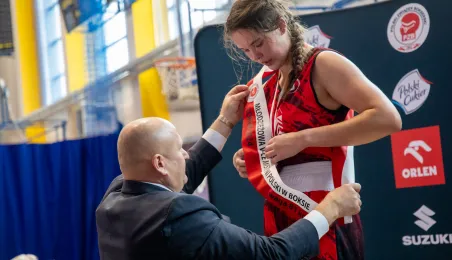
(175, 163)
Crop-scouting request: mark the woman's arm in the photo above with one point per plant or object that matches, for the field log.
(345, 83)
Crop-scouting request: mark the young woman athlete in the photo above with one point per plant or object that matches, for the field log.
(311, 95)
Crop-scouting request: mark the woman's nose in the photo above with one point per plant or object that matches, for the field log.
(257, 56)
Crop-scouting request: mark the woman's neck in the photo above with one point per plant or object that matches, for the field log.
(284, 72)
(286, 68)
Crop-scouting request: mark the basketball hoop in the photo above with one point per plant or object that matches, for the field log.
(178, 76)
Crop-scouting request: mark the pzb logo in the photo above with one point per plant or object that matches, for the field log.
(411, 91)
(408, 27)
(315, 37)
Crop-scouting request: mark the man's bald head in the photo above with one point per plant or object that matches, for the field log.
(140, 140)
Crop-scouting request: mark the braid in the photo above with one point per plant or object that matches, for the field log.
(297, 48)
(299, 55)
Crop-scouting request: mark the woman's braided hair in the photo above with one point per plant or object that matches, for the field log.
(264, 16)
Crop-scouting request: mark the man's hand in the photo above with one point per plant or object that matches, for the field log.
(231, 111)
(343, 201)
(234, 103)
(239, 163)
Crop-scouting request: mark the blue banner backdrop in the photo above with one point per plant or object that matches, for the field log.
(49, 194)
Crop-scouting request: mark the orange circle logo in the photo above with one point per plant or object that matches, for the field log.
(254, 89)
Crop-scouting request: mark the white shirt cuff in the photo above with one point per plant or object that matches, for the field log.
(216, 139)
(319, 221)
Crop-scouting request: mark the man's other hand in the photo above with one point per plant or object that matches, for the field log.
(342, 201)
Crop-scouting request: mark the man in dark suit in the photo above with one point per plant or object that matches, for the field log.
(144, 214)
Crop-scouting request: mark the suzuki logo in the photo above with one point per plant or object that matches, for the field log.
(424, 215)
(413, 148)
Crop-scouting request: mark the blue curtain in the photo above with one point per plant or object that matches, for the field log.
(49, 194)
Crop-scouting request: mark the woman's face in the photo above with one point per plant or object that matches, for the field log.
(270, 49)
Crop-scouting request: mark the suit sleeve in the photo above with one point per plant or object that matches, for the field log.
(198, 231)
(203, 158)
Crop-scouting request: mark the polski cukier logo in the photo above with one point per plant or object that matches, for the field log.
(411, 91)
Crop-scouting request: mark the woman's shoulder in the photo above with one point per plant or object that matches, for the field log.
(320, 55)
(323, 50)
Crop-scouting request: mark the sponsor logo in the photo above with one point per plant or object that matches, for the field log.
(254, 89)
(425, 222)
(411, 92)
(315, 37)
(417, 157)
(413, 148)
(295, 86)
(424, 215)
(278, 125)
(408, 28)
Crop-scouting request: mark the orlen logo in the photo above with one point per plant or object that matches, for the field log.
(411, 92)
(315, 37)
(413, 148)
(417, 157)
(253, 92)
(408, 28)
(425, 222)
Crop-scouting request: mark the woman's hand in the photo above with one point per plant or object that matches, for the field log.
(239, 163)
(284, 146)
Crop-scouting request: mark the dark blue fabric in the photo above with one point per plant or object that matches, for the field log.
(49, 194)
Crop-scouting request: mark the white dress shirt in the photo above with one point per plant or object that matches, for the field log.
(217, 140)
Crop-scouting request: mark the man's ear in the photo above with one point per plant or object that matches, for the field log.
(158, 161)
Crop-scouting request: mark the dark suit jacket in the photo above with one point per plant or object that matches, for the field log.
(136, 220)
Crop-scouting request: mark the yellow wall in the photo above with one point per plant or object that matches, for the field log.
(152, 100)
(75, 60)
(26, 46)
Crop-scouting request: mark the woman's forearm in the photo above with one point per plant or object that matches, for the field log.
(364, 128)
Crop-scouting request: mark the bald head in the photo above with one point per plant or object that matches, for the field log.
(140, 140)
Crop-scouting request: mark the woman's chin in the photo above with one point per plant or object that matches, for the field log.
(273, 66)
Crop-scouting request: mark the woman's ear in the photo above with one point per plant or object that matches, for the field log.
(282, 26)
